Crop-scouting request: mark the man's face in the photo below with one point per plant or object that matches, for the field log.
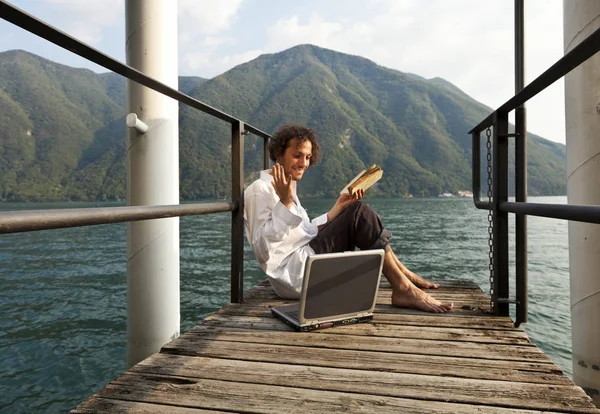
(296, 158)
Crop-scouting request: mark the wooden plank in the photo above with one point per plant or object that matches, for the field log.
(462, 310)
(444, 284)
(95, 405)
(478, 296)
(385, 307)
(267, 292)
(445, 366)
(265, 296)
(422, 319)
(458, 303)
(375, 329)
(422, 387)
(243, 359)
(255, 398)
(398, 345)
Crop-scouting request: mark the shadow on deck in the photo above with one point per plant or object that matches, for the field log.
(241, 359)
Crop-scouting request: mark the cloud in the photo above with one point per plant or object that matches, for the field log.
(203, 32)
(207, 16)
(289, 32)
(86, 20)
(207, 61)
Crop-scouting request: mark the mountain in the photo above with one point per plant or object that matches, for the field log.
(62, 129)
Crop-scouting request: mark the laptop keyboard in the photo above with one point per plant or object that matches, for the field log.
(293, 314)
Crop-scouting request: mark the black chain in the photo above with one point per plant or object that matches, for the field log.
(488, 134)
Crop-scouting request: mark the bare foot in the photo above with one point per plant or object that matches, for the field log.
(419, 282)
(415, 298)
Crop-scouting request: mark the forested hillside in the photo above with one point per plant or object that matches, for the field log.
(62, 130)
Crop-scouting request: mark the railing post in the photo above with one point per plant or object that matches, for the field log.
(476, 162)
(266, 153)
(520, 168)
(476, 173)
(500, 192)
(237, 216)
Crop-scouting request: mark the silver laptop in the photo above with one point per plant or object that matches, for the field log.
(338, 289)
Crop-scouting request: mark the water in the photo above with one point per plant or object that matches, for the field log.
(63, 295)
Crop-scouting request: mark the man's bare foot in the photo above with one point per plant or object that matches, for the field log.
(419, 282)
(415, 298)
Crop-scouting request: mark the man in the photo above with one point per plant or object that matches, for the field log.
(282, 236)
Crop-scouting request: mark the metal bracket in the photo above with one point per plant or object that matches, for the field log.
(245, 132)
(516, 134)
(134, 122)
(507, 300)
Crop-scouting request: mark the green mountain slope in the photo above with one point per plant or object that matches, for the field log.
(62, 129)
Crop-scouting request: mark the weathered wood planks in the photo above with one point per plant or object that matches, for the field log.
(241, 359)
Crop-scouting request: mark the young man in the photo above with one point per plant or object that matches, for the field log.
(282, 236)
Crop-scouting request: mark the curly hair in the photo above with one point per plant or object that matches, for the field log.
(282, 137)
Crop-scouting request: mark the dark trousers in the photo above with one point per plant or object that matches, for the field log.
(357, 226)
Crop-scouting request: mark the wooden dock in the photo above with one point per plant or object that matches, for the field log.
(241, 359)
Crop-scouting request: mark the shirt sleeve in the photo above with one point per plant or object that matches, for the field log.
(268, 224)
(322, 219)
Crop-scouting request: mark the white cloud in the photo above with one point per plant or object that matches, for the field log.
(239, 58)
(289, 32)
(543, 47)
(207, 16)
(203, 33)
(209, 62)
(86, 20)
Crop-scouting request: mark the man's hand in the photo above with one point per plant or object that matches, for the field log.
(283, 185)
(343, 202)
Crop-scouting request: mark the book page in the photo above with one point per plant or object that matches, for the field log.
(364, 180)
(345, 189)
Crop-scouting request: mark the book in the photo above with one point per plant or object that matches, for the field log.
(364, 180)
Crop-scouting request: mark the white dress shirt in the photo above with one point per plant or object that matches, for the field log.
(279, 236)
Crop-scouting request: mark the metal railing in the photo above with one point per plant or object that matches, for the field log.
(32, 220)
(500, 206)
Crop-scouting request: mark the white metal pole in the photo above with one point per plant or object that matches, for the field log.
(152, 179)
(582, 99)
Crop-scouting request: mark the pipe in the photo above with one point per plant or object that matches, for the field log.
(582, 96)
(133, 121)
(35, 220)
(520, 168)
(152, 179)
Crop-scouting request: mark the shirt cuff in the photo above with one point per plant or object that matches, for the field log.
(283, 214)
(318, 221)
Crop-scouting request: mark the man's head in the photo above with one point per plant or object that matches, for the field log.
(295, 147)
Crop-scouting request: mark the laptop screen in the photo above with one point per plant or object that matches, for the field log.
(340, 285)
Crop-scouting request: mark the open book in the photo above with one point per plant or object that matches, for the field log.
(365, 179)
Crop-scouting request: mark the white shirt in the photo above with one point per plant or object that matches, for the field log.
(279, 236)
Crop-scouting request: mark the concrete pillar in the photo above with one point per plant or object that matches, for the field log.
(152, 179)
(582, 104)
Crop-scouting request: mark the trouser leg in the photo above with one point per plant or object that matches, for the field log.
(357, 226)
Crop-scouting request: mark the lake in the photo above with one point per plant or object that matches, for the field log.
(63, 296)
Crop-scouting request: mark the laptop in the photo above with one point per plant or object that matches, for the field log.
(338, 289)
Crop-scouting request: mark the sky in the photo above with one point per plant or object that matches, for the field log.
(467, 42)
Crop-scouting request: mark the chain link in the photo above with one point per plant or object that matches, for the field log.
(488, 134)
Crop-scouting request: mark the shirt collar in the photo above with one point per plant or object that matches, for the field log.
(265, 175)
